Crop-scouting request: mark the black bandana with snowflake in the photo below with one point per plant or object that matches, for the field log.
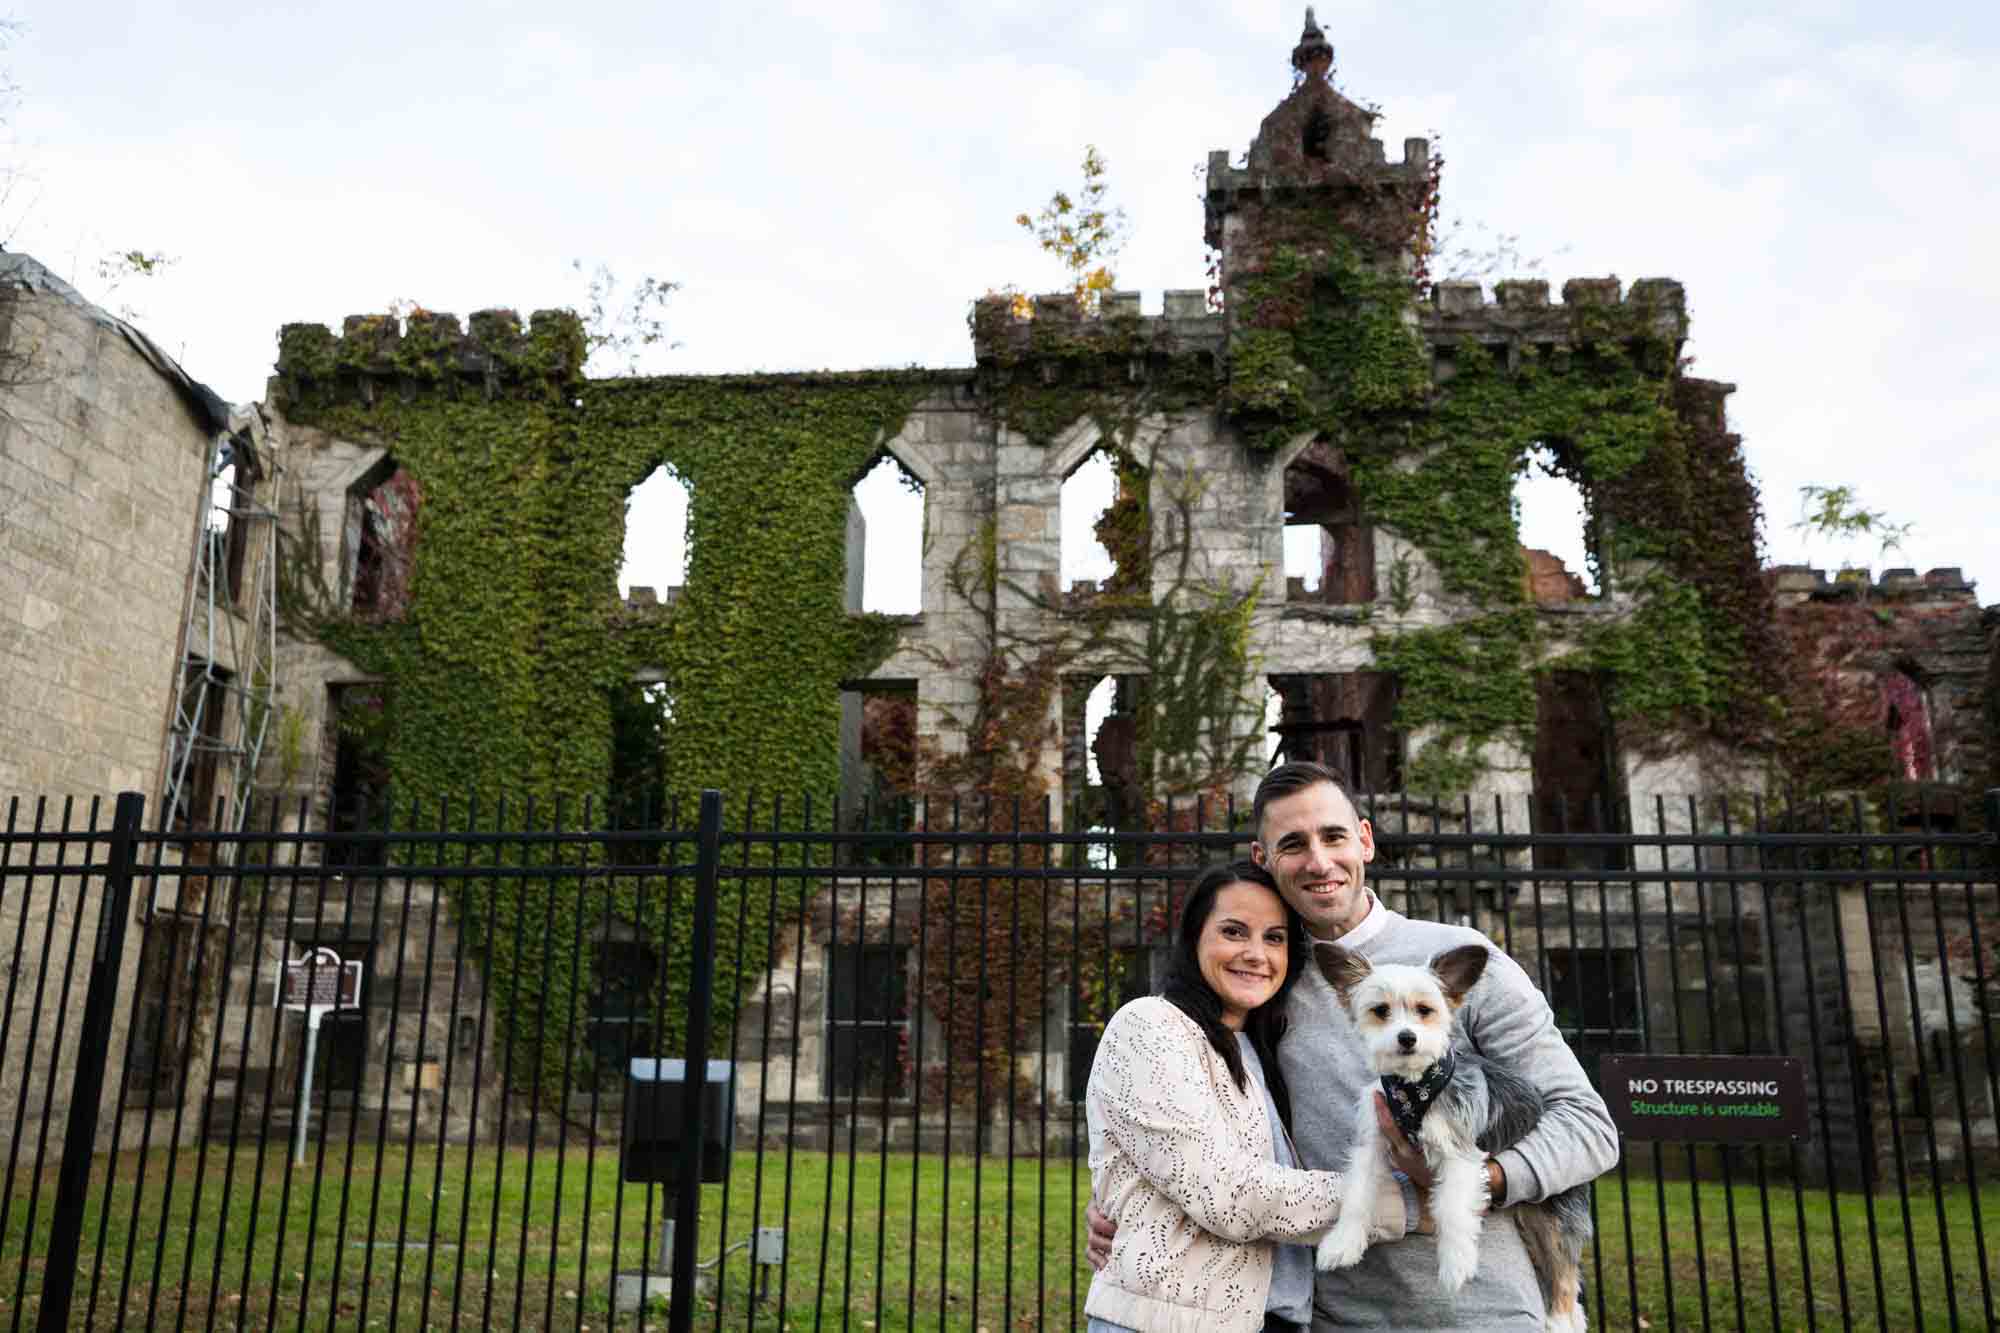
(1409, 1099)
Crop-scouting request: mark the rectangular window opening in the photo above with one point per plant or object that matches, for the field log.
(868, 1019)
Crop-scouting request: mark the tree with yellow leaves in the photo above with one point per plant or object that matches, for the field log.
(1082, 232)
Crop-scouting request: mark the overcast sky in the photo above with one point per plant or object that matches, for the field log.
(832, 184)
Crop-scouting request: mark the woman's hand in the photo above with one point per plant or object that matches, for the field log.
(1097, 1249)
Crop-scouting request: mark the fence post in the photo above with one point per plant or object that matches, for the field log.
(701, 993)
(92, 1047)
(1993, 830)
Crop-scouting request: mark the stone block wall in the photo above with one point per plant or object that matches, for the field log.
(426, 1024)
(47, 927)
(103, 479)
(105, 449)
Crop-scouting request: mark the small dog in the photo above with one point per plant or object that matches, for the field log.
(1458, 1108)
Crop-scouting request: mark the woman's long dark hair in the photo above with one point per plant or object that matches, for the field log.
(1189, 992)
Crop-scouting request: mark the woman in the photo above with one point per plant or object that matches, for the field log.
(1188, 1149)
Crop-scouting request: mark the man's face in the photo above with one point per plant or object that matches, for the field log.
(1318, 849)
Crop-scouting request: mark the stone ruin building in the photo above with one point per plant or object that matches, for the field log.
(1302, 394)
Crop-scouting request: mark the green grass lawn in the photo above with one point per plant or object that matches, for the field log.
(294, 1249)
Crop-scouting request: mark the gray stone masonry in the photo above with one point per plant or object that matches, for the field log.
(103, 473)
(975, 474)
(105, 446)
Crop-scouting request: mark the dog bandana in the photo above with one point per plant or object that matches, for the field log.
(1410, 1098)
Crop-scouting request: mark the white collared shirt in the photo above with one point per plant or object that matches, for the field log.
(1371, 926)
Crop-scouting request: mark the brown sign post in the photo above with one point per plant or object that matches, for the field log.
(1706, 1098)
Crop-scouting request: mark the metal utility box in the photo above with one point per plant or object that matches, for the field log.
(652, 1141)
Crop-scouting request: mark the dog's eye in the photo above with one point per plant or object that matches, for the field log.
(1380, 1011)
(1423, 1011)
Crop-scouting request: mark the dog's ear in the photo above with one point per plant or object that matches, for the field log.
(1343, 968)
(1459, 970)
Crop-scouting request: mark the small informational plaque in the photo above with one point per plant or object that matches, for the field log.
(1706, 1098)
(318, 979)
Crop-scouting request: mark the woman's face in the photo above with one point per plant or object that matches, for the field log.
(1242, 948)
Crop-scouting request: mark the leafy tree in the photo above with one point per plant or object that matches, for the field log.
(1837, 514)
(621, 329)
(1081, 231)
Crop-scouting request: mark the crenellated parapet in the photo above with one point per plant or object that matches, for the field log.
(1278, 172)
(1794, 584)
(1055, 339)
(1519, 313)
(382, 353)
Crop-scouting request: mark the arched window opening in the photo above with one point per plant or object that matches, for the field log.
(1329, 550)
(1106, 527)
(888, 508)
(656, 537)
(1552, 514)
(1906, 716)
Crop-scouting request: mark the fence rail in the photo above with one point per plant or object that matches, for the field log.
(910, 998)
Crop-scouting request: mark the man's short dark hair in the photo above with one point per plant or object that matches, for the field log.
(1293, 776)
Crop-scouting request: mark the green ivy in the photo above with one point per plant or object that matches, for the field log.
(1328, 344)
(504, 671)
(1661, 664)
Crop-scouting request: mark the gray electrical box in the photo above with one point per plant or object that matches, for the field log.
(653, 1136)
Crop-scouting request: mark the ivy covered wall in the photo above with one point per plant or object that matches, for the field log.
(501, 669)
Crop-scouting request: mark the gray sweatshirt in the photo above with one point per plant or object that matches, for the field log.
(1505, 1019)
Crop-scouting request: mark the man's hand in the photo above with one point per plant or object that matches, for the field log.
(1403, 1155)
(1098, 1248)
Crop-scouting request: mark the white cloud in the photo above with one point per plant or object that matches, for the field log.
(832, 187)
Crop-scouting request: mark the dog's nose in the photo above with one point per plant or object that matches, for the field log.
(1407, 1039)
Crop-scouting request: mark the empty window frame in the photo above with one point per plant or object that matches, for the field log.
(625, 1002)
(1573, 770)
(1329, 550)
(1343, 720)
(164, 1004)
(868, 1019)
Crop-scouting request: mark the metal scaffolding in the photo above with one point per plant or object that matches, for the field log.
(225, 693)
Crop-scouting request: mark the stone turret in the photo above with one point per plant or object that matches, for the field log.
(1316, 153)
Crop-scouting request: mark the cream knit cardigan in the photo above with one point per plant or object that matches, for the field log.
(1180, 1160)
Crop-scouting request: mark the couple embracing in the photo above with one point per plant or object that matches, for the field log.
(1223, 1112)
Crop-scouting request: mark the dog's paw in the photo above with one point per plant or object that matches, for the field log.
(1457, 1261)
(1341, 1247)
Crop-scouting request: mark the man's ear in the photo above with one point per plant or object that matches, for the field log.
(1459, 970)
(1343, 969)
(1364, 833)
(1257, 856)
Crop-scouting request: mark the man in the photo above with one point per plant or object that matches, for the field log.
(1318, 849)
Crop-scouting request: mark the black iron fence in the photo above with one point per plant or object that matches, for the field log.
(425, 1120)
